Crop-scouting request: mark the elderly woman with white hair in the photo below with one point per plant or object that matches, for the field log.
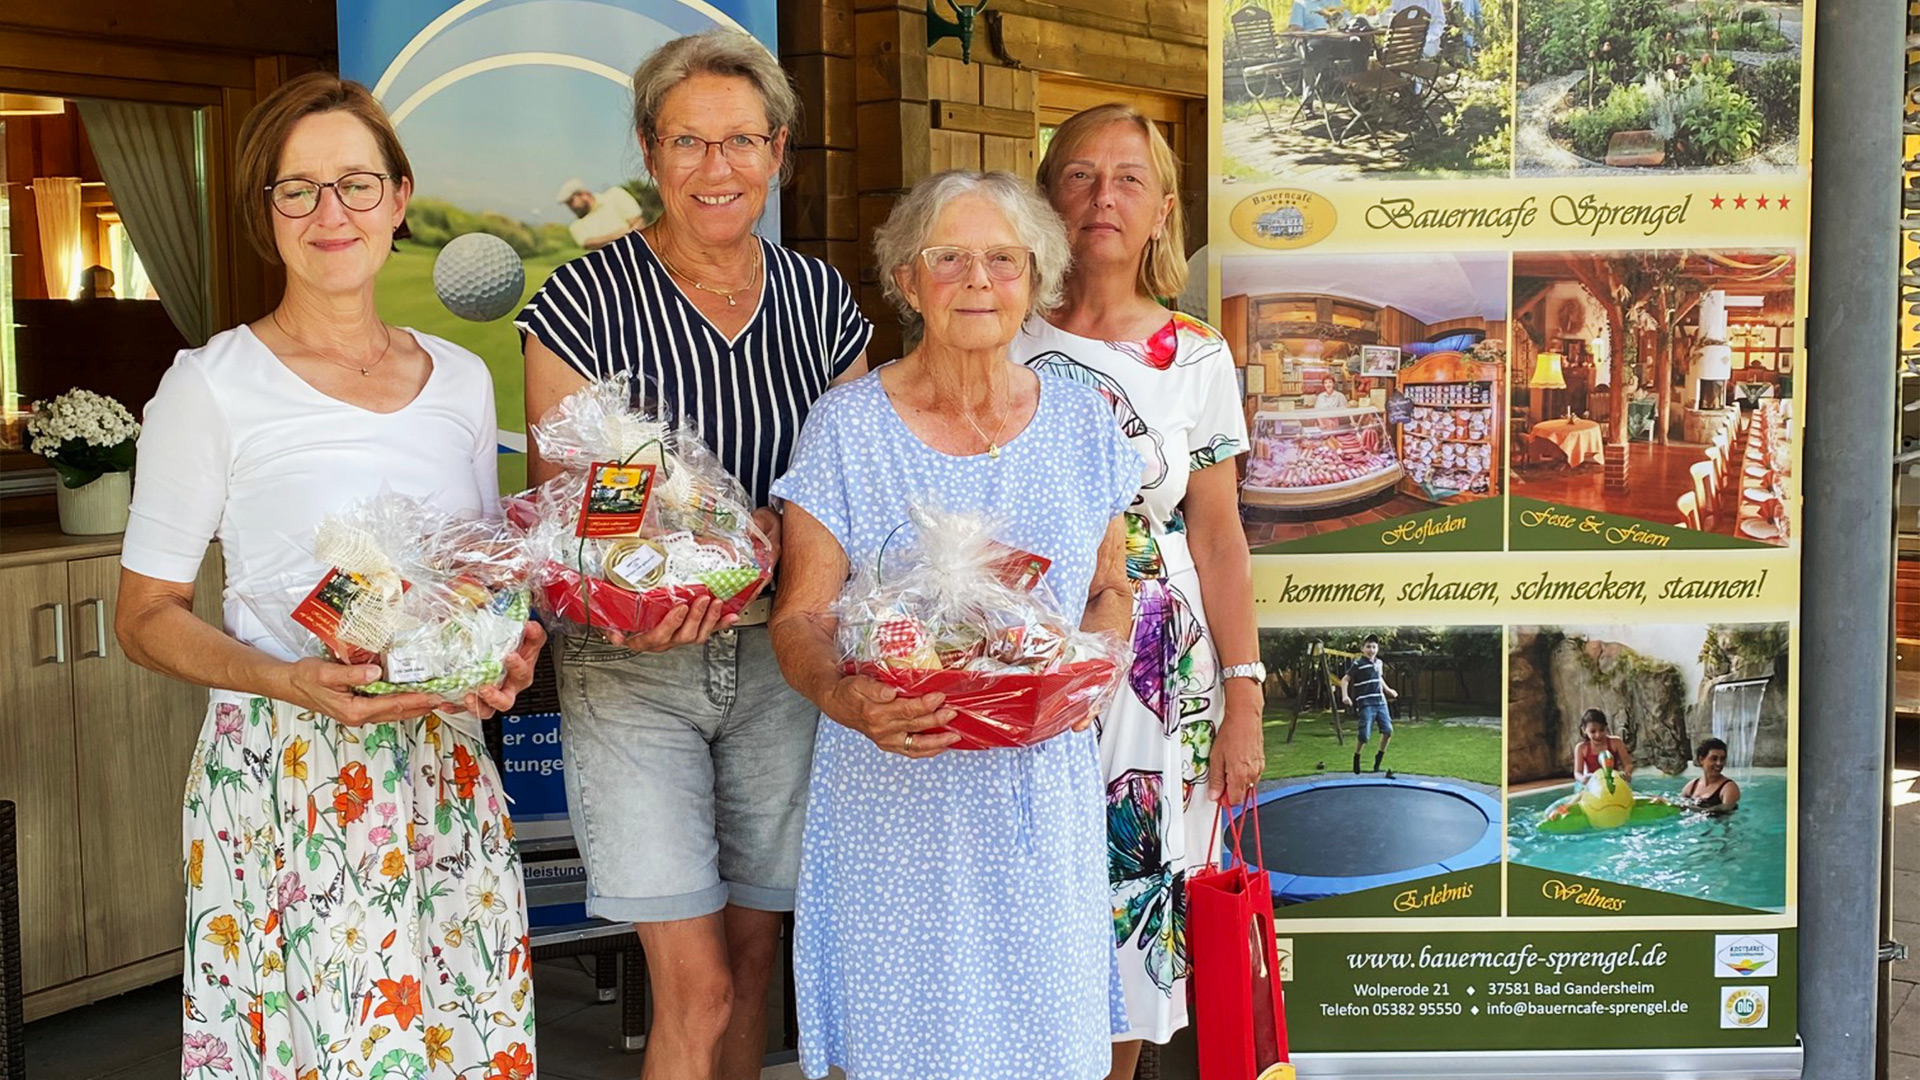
(951, 914)
(686, 752)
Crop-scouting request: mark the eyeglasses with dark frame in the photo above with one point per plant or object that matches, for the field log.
(297, 196)
(744, 148)
(951, 264)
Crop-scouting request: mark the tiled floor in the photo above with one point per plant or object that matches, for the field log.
(136, 1036)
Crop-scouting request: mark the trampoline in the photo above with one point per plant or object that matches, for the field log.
(1338, 836)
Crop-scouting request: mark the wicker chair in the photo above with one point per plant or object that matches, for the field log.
(13, 1036)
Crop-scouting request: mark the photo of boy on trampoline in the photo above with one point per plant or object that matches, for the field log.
(1423, 817)
(1364, 689)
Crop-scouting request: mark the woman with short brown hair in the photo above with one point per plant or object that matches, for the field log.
(353, 891)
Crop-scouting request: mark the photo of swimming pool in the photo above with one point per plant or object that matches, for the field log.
(1738, 858)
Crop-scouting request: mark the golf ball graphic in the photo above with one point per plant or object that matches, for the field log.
(479, 276)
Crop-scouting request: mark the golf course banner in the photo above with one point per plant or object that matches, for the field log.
(517, 117)
(1517, 292)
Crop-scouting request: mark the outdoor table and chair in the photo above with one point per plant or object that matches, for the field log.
(1376, 77)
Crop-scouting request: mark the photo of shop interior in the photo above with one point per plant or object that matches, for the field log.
(1657, 385)
(1324, 346)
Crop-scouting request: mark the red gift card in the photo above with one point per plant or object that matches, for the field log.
(616, 500)
(325, 608)
(1019, 569)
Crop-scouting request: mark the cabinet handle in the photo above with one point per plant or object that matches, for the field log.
(99, 650)
(59, 633)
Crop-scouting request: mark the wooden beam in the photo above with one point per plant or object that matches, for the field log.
(819, 26)
(825, 86)
(304, 27)
(1105, 56)
(820, 200)
(981, 119)
(891, 61)
(895, 150)
(1181, 21)
(108, 59)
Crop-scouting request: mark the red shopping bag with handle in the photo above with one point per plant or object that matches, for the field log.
(1240, 1019)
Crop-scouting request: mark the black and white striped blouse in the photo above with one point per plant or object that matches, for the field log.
(616, 310)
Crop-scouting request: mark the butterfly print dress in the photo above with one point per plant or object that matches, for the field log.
(354, 903)
(1176, 399)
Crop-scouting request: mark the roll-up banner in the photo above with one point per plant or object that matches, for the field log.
(1517, 293)
(518, 119)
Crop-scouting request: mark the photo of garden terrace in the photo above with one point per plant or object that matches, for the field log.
(1338, 90)
(1678, 85)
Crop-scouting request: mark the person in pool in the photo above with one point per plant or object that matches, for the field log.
(1363, 687)
(1597, 738)
(1713, 791)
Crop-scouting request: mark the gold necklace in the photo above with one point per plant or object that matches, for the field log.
(348, 364)
(728, 294)
(993, 444)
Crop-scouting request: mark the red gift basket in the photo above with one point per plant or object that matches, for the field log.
(957, 613)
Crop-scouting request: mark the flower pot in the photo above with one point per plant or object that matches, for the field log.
(97, 508)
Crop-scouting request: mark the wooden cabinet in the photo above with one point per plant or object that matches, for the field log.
(37, 769)
(93, 752)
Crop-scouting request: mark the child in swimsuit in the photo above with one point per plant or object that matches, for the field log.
(1596, 738)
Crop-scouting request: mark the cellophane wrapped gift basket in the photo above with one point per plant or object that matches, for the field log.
(641, 519)
(437, 600)
(952, 610)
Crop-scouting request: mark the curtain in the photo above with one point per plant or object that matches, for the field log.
(56, 202)
(150, 158)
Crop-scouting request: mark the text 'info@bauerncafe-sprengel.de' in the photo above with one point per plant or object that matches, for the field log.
(1516, 293)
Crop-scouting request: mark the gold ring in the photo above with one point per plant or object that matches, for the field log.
(908, 742)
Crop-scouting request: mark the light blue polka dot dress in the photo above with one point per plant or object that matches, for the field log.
(952, 919)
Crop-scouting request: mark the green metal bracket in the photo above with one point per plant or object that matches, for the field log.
(960, 26)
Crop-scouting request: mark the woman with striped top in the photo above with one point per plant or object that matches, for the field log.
(686, 753)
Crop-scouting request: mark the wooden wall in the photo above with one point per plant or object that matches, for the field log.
(883, 111)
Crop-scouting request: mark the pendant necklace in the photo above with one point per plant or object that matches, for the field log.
(993, 443)
(727, 294)
(363, 369)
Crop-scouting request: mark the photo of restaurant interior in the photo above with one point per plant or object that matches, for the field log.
(1372, 386)
(1657, 385)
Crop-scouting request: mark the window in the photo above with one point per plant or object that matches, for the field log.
(130, 280)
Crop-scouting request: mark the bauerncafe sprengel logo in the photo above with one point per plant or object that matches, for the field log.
(1283, 218)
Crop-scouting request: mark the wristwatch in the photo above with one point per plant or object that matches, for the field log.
(1256, 671)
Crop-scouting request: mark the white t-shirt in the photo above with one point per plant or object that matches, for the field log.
(1330, 399)
(236, 447)
(612, 216)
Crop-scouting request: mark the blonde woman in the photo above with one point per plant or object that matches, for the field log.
(1184, 733)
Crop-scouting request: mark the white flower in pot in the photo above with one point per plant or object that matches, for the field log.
(89, 439)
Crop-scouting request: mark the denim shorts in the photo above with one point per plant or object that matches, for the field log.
(1375, 712)
(686, 775)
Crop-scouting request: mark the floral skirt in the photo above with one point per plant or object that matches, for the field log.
(354, 904)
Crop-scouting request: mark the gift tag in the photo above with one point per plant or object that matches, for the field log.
(616, 500)
(405, 665)
(1017, 569)
(635, 565)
